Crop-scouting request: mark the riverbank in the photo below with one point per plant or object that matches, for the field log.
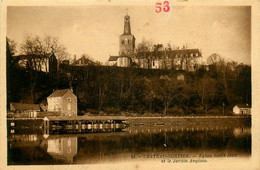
(28, 123)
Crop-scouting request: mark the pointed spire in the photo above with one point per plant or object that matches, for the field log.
(127, 28)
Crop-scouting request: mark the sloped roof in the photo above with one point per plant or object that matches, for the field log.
(24, 106)
(184, 51)
(188, 50)
(175, 52)
(243, 106)
(84, 61)
(59, 93)
(113, 58)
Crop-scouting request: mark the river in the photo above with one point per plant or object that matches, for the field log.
(137, 142)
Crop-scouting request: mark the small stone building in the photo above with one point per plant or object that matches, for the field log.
(63, 101)
(242, 109)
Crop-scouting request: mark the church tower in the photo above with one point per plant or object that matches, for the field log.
(126, 40)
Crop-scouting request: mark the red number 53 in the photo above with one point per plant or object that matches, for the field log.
(158, 7)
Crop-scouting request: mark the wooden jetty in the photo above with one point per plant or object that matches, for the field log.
(83, 122)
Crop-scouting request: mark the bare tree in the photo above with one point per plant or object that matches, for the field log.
(36, 51)
(42, 48)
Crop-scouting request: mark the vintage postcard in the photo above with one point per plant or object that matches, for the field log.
(161, 84)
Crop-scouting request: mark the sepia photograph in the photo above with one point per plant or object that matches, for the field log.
(136, 84)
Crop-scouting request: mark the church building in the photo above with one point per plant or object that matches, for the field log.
(179, 59)
(126, 47)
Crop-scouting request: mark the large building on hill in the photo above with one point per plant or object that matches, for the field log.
(179, 59)
(44, 63)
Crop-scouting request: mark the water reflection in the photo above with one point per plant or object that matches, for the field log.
(63, 148)
(85, 148)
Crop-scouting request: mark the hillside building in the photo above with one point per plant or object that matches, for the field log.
(44, 63)
(63, 101)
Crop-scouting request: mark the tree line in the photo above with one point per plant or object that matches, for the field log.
(113, 90)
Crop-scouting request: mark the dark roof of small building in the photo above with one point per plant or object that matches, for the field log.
(25, 106)
(243, 106)
(113, 58)
(65, 62)
(59, 93)
(188, 50)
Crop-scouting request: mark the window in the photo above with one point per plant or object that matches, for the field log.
(129, 42)
(69, 106)
(69, 100)
(123, 42)
(121, 61)
(126, 40)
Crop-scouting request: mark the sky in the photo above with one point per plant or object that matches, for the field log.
(95, 30)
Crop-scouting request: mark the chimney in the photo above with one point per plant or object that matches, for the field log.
(74, 59)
